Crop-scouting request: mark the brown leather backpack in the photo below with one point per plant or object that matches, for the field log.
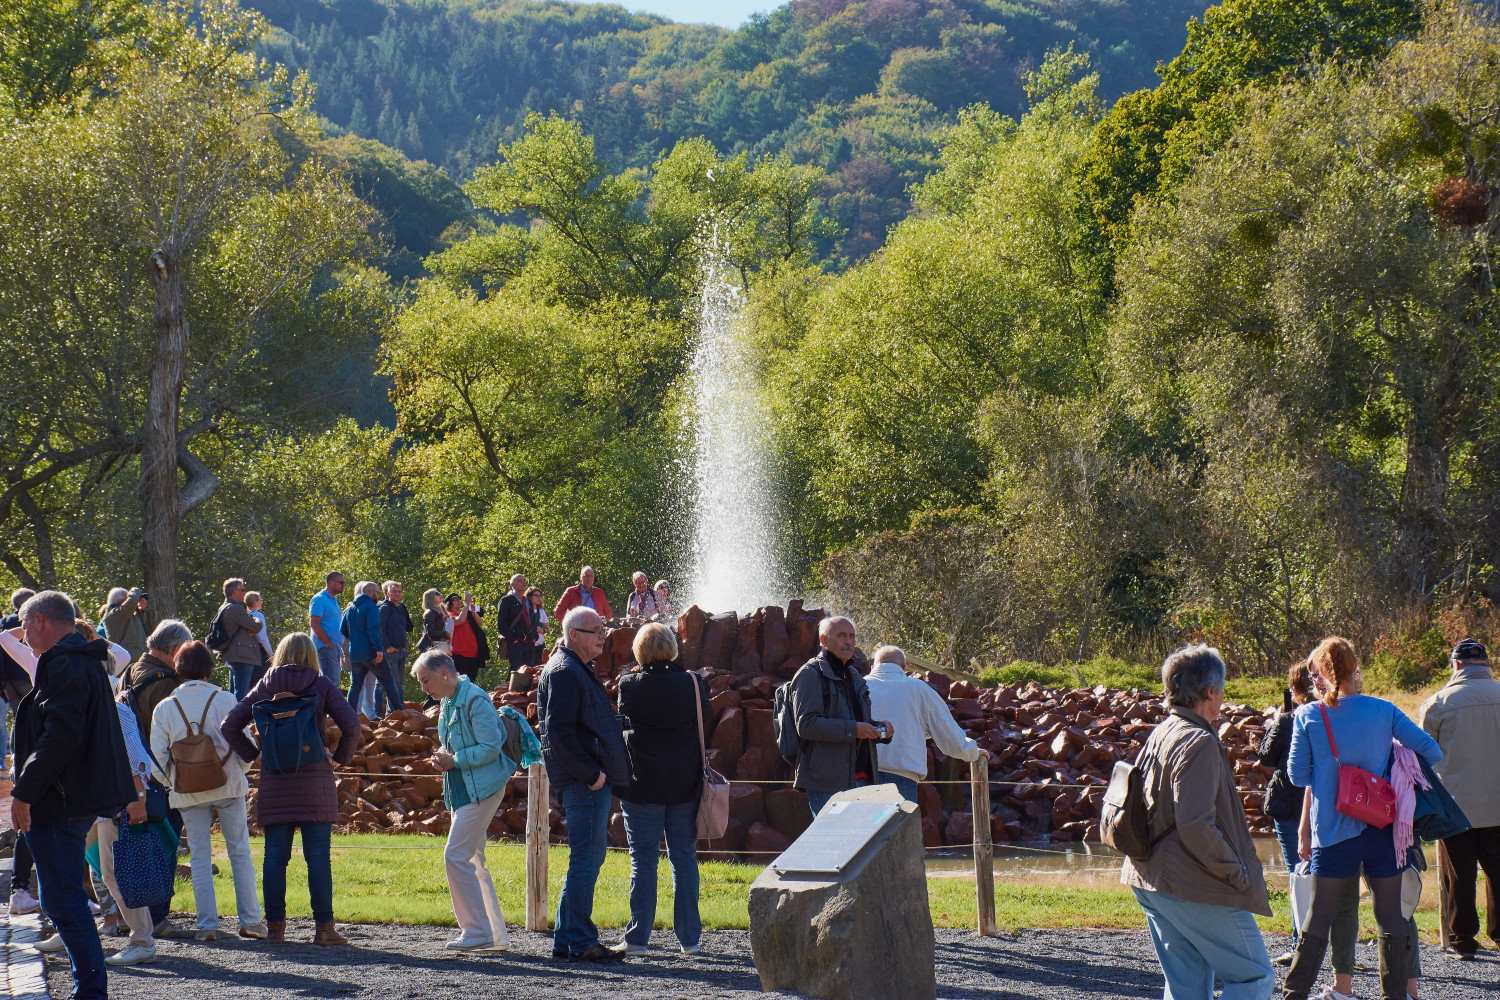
(197, 766)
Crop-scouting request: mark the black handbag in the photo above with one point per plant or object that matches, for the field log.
(1283, 800)
(157, 805)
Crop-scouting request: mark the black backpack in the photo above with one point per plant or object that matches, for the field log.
(218, 634)
(784, 721)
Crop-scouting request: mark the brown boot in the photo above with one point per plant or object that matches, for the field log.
(276, 931)
(328, 934)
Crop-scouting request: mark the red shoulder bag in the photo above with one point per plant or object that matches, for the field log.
(1363, 796)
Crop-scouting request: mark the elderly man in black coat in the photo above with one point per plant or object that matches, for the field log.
(71, 768)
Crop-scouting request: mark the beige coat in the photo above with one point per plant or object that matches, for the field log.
(1204, 854)
(1464, 718)
(244, 634)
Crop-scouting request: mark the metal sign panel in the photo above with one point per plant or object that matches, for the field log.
(838, 833)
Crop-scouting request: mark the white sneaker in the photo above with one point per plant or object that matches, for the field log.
(132, 955)
(52, 945)
(22, 902)
(94, 908)
(692, 949)
(254, 932)
(626, 948)
(465, 943)
(1329, 993)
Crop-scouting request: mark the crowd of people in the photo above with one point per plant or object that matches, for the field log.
(128, 730)
(1332, 747)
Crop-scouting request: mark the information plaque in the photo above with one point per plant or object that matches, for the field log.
(838, 833)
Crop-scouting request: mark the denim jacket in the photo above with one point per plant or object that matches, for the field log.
(469, 729)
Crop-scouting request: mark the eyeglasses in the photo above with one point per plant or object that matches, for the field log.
(590, 631)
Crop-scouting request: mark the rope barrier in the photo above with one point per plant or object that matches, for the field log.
(788, 781)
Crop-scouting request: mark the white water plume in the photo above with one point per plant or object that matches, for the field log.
(736, 554)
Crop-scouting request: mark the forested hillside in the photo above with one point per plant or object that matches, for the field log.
(860, 90)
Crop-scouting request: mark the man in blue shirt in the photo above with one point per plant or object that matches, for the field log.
(324, 619)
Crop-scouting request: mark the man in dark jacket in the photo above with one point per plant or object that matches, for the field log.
(832, 706)
(584, 751)
(395, 626)
(515, 623)
(71, 769)
(243, 632)
(361, 626)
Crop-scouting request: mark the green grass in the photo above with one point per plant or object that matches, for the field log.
(379, 878)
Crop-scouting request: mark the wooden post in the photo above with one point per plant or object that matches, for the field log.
(984, 858)
(538, 830)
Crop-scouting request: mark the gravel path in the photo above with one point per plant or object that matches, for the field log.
(408, 962)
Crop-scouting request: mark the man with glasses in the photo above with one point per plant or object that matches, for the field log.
(584, 752)
(831, 704)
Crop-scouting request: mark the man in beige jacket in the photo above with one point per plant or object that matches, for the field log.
(1464, 718)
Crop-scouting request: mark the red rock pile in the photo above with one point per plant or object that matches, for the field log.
(1051, 750)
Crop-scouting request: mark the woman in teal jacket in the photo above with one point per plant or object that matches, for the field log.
(475, 772)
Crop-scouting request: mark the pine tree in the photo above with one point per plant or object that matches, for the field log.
(359, 122)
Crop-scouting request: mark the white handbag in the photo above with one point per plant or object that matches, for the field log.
(1299, 884)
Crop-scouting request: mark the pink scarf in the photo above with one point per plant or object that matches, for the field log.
(1406, 774)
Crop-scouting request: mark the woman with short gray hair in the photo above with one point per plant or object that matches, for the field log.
(475, 772)
(1202, 881)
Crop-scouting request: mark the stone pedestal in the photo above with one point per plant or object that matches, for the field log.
(863, 934)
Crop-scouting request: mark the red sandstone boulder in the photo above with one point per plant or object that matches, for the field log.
(747, 803)
(690, 637)
(762, 841)
(772, 637)
(755, 765)
(787, 812)
(718, 641)
(746, 660)
(729, 736)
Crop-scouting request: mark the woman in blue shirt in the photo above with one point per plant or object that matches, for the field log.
(1363, 728)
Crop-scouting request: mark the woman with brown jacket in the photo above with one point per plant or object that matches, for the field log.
(1203, 881)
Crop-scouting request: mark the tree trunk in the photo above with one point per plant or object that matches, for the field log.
(161, 503)
(1424, 495)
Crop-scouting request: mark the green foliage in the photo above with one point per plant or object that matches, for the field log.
(1150, 138)
(55, 52)
(177, 156)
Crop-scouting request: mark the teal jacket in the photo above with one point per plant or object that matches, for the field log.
(469, 728)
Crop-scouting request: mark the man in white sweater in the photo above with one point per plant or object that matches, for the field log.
(917, 713)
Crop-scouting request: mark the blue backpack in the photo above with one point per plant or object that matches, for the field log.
(290, 737)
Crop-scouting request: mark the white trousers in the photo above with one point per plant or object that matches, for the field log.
(197, 826)
(139, 918)
(469, 880)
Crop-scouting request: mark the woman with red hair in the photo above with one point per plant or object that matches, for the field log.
(1347, 729)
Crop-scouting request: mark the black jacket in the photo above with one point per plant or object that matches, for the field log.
(514, 619)
(579, 729)
(70, 754)
(1282, 799)
(395, 623)
(661, 733)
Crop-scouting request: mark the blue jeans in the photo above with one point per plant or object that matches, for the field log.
(387, 682)
(644, 825)
(1196, 941)
(242, 678)
(906, 786)
(817, 800)
(330, 661)
(315, 851)
(1286, 836)
(60, 870)
(587, 814)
